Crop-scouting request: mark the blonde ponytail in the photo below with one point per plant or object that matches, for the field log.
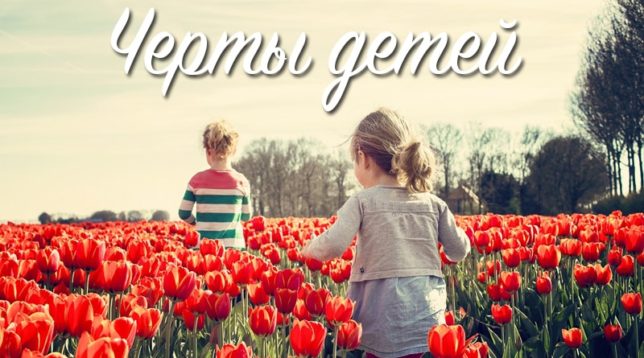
(386, 137)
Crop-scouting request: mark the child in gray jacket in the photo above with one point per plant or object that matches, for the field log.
(396, 279)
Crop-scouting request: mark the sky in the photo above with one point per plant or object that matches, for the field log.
(78, 135)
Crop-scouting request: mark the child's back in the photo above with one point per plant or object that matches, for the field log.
(222, 199)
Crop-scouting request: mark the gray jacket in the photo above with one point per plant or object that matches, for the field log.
(398, 234)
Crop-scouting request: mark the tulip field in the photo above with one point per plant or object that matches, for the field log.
(533, 286)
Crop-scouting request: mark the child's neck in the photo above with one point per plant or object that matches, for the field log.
(221, 164)
(384, 179)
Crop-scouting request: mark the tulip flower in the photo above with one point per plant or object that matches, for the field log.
(476, 350)
(511, 257)
(626, 268)
(307, 338)
(573, 337)
(501, 314)
(216, 281)
(615, 256)
(570, 247)
(544, 284)
(257, 295)
(147, 320)
(613, 333)
(449, 318)
(316, 301)
(446, 341)
(218, 306)
(230, 350)
(585, 276)
(263, 320)
(193, 320)
(179, 282)
(604, 274)
(89, 347)
(632, 303)
(548, 256)
(79, 315)
(300, 312)
(285, 300)
(338, 309)
(349, 335)
(511, 280)
(122, 327)
(36, 331)
(289, 278)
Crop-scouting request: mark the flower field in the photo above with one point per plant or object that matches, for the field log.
(532, 286)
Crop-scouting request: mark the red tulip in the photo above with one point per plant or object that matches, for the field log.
(615, 256)
(48, 259)
(122, 327)
(179, 282)
(289, 278)
(147, 320)
(285, 300)
(230, 350)
(572, 337)
(481, 277)
(476, 350)
(511, 280)
(216, 281)
(256, 294)
(632, 303)
(613, 333)
(591, 251)
(543, 284)
(79, 315)
(307, 338)
(584, 275)
(316, 300)
(548, 256)
(218, 306)
(349, 335)
(36, 331)
(193, 320)
(604, 274)
(634, 241)
(511, 257)
(497, 292)
(570, 247)
(88, 347)
(89, 254)
(449, 318)
(627, 267)
(242, 272)
(300, 312)
(338, 309)
(263, 320)
(501, 314)
(446, 341)
(10, 344)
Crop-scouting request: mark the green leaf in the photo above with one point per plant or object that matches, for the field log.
(560, 350)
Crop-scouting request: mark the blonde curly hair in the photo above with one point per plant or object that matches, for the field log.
(220, 138)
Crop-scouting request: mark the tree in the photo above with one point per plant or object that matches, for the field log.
(134, 215)
(607, 102)
(445, 140)
(566, 173)
(44, 218)
(103, 216)
(500, 192)
(160, 215)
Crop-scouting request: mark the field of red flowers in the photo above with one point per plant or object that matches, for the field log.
(532, 287)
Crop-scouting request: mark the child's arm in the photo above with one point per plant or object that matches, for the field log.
(455, 242)
(185, 210)
(334, 241)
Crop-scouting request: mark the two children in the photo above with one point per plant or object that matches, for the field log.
(396, 279)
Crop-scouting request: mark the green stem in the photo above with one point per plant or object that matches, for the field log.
(71, 282)
(87, 282)
(637, 335)
(168, 329)
(335, 341)
(194, 336)
(614, 349)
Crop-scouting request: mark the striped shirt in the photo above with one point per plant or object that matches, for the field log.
(223, 202)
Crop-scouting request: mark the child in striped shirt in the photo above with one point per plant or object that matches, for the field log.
(221, 193)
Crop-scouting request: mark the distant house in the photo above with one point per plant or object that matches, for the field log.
(463, 200)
